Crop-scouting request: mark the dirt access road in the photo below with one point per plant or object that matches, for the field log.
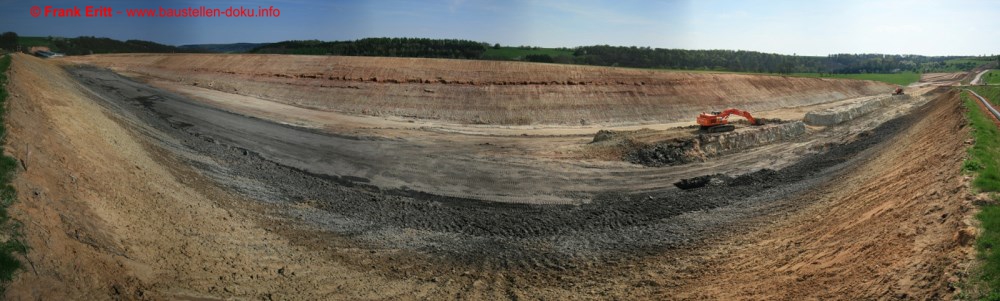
(979, 77)
(152, 205)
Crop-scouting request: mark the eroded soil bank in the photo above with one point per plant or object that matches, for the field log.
(126, 197)
(484, 92)
(896, 226)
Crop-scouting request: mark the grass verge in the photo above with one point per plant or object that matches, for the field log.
(992, 94)
(11, 238)
(992, 77)
(983, 162)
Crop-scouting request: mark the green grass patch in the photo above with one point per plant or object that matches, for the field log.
(11, 239)
(517, 53)
(986, 277)
(992, 94)
(37, 41)
(983, 162)
(902, 79)
(992, 77)
(983, 156)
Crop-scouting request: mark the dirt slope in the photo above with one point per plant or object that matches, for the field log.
(111, 211)
(107, 216)
(485, 92)
(898, 227)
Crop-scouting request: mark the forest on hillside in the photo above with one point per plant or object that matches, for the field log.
(395, 47)
(88, 45)
(752, 61)
(599, 55)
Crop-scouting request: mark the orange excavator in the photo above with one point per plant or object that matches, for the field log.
(718, 122)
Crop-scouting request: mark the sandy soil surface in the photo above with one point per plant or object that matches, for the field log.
(896, 227)
(544, 163)
(943, 78)
(137, 192)
(108, 216)
(485, 92)
(520, 169)
(389, 126)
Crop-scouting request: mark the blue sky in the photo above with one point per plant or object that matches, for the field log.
(957, 27)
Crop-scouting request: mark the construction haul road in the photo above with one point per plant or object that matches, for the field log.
(145, 181)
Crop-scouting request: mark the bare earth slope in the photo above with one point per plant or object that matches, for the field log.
(487, 92)
(107, 216)
(896, 227)
(121, 201)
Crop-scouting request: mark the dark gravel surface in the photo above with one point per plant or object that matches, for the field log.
(664, 153)
(617, 225)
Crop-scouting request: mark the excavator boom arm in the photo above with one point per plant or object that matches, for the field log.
(725, 115)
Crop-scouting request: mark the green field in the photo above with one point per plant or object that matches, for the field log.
(902, 79)
(36, 41)
(992, 77)
(515, 53)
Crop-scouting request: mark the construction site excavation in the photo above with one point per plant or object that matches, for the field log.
(246, 176)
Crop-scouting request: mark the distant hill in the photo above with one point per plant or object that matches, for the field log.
(94, 45)
(391, 47)
(598, 55)
(223, 48)
(634, 57)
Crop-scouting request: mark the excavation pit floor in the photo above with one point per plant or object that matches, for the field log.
(403, 210)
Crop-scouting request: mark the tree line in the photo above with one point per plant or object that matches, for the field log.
(752, 61)
(599, 55)
(83, 45)
(8, 41)
(393, 47)
(636, 57)
(95, 45)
